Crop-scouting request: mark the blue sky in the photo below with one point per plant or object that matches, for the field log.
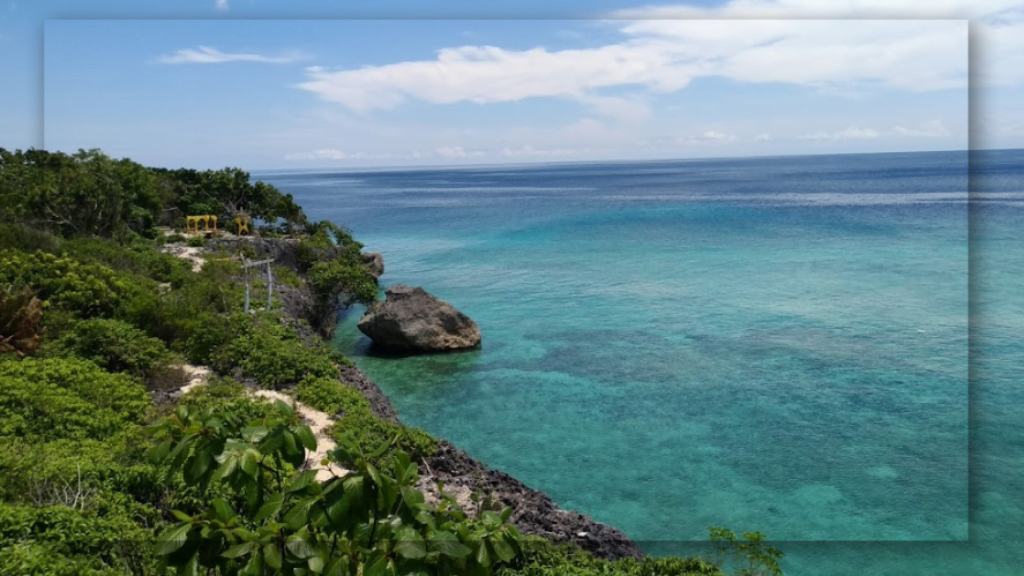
(261, 85)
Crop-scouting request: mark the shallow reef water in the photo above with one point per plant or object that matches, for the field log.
(821, 348)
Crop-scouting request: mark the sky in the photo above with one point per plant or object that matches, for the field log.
(311, 84)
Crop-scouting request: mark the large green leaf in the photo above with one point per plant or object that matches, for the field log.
(222, 509)
(226, 468)
(482, 556)
(172, 539)
(157, 453)
(254, 434)
(302, 480)
(272, 555)
(271, 507)
(446, 543)
(305, 435)
(376, 565)
(409, 544)
(238, 550)
(502, 549)
(299, 547)
(249, 462)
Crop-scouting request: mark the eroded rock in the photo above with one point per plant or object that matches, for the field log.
(412, 320)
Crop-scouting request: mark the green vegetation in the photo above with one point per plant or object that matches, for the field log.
(94, 325)
(90, 194)
(357, 422)
(271, 353)
(271, 518)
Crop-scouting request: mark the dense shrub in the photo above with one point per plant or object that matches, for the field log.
(86, 540)
(27, 558)
(115, 346)
(67, 398)
(90, 194)
(357, 421)
(271, 353)
(543, 558)
(372, 521)
(17, 236)
(137, 258)
(226, 395)
(83, 289)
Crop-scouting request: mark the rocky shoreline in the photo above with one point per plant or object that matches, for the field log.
(534, 512)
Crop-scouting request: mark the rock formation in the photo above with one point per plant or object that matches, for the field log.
(411, 320)
(375, 262)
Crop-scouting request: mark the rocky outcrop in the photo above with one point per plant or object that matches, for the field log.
(375, 262)
(380, 404)
(411, 320)
(533, 512)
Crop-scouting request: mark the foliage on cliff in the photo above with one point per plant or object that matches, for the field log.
(91, 194)
(270, 518)
(91, 318)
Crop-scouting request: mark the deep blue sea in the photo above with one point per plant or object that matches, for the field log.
(825, 349)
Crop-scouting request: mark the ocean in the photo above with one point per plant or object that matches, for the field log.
(819, 348)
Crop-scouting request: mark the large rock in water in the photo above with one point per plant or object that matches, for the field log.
(411, 320)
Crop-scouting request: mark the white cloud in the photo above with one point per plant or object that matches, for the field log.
(208, 55)
(850, 133)
(660, 56)
(324, 154)
(933, 129)
(763, 138)
(529, 151)
(998, 25)
(222, 4)
(456, 152)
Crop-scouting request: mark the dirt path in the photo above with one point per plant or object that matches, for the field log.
(190, 253)
(318, 422)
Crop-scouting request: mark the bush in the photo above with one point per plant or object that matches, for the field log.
(83, 289)
(24, 238)
(26, 558)
(543, 558)
(86, 541)
(49, 399)
(115, 346)
(371, 521)
(359, 423)
(271, 353)
(228, 396)
(196, 242)
(138, 258)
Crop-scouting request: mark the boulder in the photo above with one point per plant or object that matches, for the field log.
(375, 262)
(411, 320)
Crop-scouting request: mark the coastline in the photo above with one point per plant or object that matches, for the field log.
(534, 512)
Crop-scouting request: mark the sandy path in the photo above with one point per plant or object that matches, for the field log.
(318, 422)
(190, 253)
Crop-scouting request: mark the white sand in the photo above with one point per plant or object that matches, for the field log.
(190, 253)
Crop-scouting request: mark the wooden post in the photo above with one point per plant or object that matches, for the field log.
(270, 286)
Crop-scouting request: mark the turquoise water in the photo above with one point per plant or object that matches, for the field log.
(773, 344)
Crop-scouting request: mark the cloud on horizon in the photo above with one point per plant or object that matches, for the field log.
(209, 55)
(933, 129)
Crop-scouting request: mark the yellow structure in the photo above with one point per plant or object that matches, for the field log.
(192, 223)
(243, 224)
